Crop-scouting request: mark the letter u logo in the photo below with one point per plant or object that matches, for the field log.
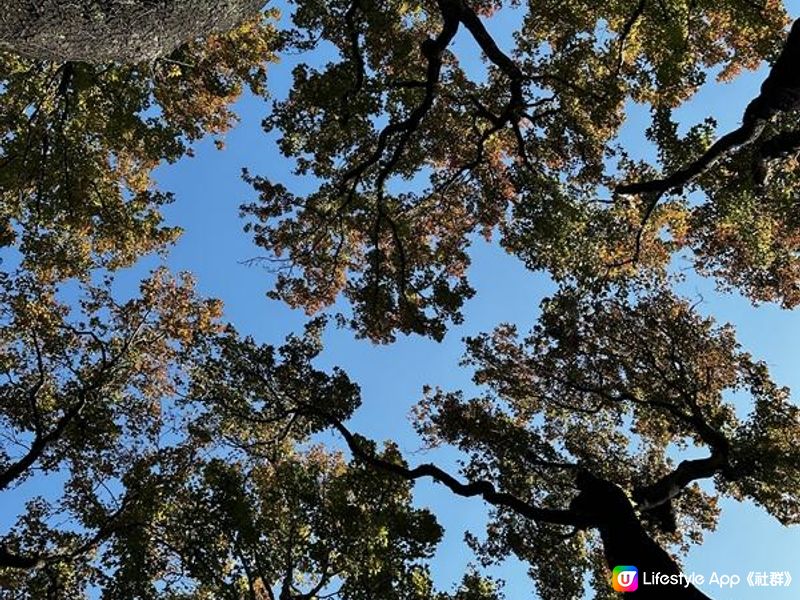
(625, 579)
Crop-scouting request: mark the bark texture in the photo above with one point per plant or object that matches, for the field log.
(98, 31)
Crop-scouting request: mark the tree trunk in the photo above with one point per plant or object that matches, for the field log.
(98, 31)
(626, 542)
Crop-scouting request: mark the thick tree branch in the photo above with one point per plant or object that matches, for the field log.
(673, 483)
(744, 135)
(453, 13)
(515, 108)
(780, 93)
(133, 31)
(483, 489)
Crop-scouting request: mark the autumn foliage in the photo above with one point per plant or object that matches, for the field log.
(192, 461)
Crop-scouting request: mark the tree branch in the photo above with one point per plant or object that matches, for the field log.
(481, 488)
(35, 560)
(672, 484)
(40, 444)
(432, 50)
(780, 93)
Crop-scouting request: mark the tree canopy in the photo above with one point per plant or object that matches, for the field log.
(193, 461)
(535, 156)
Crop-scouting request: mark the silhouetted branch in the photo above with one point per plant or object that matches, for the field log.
(780, 93)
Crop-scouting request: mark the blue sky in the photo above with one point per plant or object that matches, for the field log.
(209, 190)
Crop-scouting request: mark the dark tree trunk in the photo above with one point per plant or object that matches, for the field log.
(99, 31)
(626, 542)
